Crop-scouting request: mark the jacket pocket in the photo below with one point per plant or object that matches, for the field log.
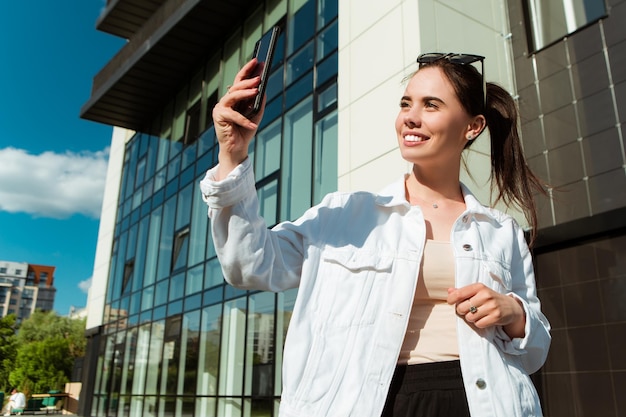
(346, 288)
(525, 397)
(497, 276)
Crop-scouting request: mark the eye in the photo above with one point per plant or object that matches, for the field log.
(431, 104)
(404, 104)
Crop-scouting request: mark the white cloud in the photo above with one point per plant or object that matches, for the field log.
(52, 184)
(85, 285)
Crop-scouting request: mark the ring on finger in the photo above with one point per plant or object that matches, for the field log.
(473, 309)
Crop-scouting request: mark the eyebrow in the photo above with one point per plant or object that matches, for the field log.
(424, 99)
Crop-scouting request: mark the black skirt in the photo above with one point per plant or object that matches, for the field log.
(427, 390)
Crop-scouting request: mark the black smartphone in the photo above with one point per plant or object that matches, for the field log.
(263, 52)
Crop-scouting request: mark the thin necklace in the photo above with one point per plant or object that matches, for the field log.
(434, 204)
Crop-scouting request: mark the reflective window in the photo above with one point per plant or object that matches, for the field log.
(213, 273)
(170, 363)
(167, 238)
(260, 346)
(232, 348)
(231, 407)
(152, 252)
(552, 20)
(141, 366)
(297, 161)
(268, 202)
(328, 41)
(207, 139)
(327, 69)
(153, 372)
(147, 298)
(188, 367)
(141, 170)
(194, 280)
(267, 155)
(326, 163)
(302, 24)
(140, 254)
(177, 286)
(327, 99)
(327, 11)
(208, 357)
(300, 63)
(181, 249)
(173, 168)
(274, 87)
(129, 364)
(161, 291)
(135, 303)
(198, 234)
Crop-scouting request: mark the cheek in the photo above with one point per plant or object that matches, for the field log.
(399, 123)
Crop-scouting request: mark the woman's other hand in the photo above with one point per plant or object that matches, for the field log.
(234, 131)
(484, 307)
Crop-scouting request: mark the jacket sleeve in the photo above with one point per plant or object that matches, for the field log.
(533, 347)
(251, 255)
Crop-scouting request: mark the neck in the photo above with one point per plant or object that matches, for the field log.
(433, 187)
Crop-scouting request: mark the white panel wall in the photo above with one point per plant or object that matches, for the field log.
(97, 292)
(378, 45)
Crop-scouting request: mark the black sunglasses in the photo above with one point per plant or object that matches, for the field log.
(462, 59)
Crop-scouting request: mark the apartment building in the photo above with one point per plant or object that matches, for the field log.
(25, 288)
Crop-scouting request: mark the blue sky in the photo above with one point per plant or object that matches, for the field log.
(52, 162)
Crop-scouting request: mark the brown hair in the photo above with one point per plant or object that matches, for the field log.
(516, 183)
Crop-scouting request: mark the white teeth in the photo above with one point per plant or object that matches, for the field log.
(413, 138)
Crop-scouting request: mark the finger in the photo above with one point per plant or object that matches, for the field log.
(472, 313)
(235, 95)
(466, 307)
(228, 115)
(472, 308)
(246, 71)
(463, 293)
(243, 85)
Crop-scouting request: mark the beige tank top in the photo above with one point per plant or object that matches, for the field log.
(431, 333)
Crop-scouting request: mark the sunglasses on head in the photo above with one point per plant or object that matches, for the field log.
(461, 59)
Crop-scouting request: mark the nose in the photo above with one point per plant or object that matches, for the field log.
(412, 118)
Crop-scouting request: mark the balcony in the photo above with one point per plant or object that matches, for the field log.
(167, 39)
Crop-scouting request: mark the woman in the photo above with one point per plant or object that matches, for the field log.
(417, 301)
(16, 404)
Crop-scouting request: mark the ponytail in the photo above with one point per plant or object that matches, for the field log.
(516, 183)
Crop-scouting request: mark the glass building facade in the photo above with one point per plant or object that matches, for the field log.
(176, 339)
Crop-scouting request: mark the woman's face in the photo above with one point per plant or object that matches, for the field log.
(432, 126)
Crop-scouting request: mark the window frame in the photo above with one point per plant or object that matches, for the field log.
(531, 32)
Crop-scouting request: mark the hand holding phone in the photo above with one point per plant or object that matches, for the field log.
(263, 52)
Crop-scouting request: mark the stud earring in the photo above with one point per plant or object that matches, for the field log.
(470, 137)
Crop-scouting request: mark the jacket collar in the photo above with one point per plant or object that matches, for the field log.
(394, 195)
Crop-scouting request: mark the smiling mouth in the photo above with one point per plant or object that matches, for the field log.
(414, 138)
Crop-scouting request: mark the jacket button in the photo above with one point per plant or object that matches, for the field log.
(481, 384)
(467, 247)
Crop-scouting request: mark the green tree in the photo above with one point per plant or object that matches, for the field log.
(8, 350)
(47, 347)
(43, 365)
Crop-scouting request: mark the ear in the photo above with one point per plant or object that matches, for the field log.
(476, 127)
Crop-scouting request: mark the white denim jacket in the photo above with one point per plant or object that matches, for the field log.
(355, 258)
